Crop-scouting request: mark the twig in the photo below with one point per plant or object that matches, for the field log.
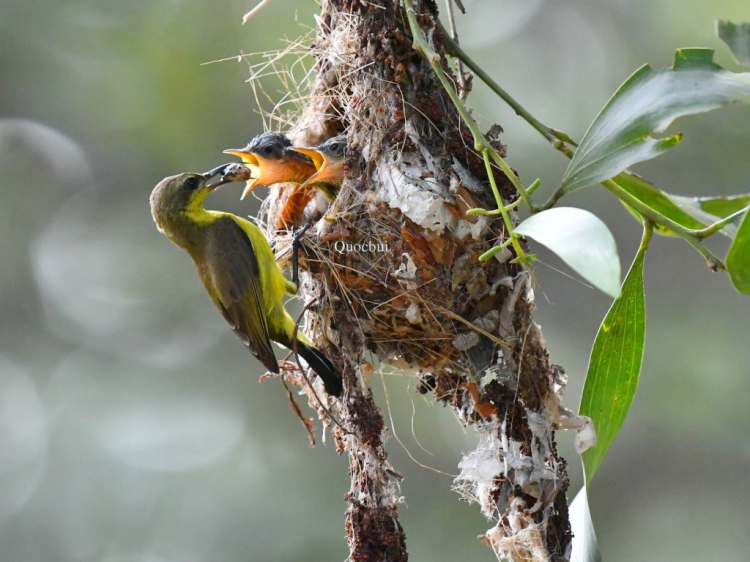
(559, 139)
(302, 371)
(480, 142)
(454, 37)
(254, 11)
(501, 207)
(306, 422)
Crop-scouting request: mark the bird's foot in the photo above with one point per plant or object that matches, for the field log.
(297, 235)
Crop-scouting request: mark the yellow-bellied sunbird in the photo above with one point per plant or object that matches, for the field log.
(329, 165)
(238, 271)
(272, 160)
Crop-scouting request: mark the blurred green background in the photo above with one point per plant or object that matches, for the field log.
(132, 424)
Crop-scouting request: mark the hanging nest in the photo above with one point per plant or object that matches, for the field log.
(392, 269)
(396, 255)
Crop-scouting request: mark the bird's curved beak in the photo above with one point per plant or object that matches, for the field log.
(219, 170)
(246, 156)
(216, 171)
(328, 169)
(318, 158)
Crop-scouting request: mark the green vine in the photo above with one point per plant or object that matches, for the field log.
(480, 144)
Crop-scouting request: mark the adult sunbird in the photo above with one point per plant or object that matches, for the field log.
(328, 176)
(238, 271)
(271, 158)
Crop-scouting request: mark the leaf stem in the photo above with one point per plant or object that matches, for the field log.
(718, 225)
(714, 263)
(648, 231)
(559, 139)
(521, 255)
(495, 250)
(480, 142)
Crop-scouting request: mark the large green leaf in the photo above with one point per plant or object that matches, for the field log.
(717, 206)
(710, 209)
(737, 38)
(585, 545)
(582, 240)
(645, 105)
(690, 212)
(615, 363)
(656, 199)
(738, 258)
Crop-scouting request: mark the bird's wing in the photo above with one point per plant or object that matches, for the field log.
(232, 266)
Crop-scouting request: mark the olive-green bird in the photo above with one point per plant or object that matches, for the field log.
(238, 271)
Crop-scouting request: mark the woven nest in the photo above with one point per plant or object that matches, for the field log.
(396, 256)
(404, 287)
(392, 267)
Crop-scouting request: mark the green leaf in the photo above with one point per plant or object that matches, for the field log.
(738, 258)
(737, 38)
(585, 545)
(710, 209)
(582, 240)
(615, 364)
(656, 199)
(690, 212)
(645, 105)
(721, 206)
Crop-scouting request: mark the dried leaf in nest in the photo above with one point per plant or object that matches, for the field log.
(464, 201)
(339, 232)
(357, 282)
(466, 341)
(493, 137)
(399, 303)
(484, 409)
(469, 277)
(442, 247)
(412, 314)
(416, 245)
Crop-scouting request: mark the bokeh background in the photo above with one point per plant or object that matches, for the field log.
(132, 424)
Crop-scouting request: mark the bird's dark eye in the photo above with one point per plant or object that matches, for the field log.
(268, 150)
(191, 182)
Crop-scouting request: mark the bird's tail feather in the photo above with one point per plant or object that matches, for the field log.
(322, 367)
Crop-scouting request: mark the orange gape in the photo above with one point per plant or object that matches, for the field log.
(328, 159)
(291, 213)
